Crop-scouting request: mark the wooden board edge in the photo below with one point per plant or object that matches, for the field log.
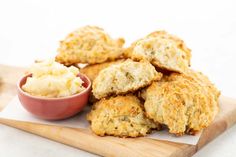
(50, 131)
(223, 123)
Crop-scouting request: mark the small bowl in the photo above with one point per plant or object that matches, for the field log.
(54, 108)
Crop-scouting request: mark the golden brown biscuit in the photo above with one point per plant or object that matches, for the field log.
(201, 79)
(124, 77)
(186, 103)
(162, 50)
(179, 42)
(89, 44)
(93, 70)
(121, 116)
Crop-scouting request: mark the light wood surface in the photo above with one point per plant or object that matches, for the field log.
(112, 146)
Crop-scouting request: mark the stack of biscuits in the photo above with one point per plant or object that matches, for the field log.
(147, 86)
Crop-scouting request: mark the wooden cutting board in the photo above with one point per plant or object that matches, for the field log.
(112, 146)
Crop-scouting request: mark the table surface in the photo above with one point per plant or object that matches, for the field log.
(31, 30)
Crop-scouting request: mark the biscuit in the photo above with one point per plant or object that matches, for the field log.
(124, 77)
(179, 42)
(185, 103)
(89, 44)
(121, 116)
(162, 50)
(93, 70)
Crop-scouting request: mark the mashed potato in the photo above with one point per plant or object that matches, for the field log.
(52, 79)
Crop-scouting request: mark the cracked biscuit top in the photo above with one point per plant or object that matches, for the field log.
(186, 103)
(162, 50)
(121, 116)
(124, 77)
(89, 44)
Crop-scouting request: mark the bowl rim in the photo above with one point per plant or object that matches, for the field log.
(50, 99)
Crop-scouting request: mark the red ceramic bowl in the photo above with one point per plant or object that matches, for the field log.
(54, 108)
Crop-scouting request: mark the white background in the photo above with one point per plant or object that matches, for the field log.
(32, 29)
